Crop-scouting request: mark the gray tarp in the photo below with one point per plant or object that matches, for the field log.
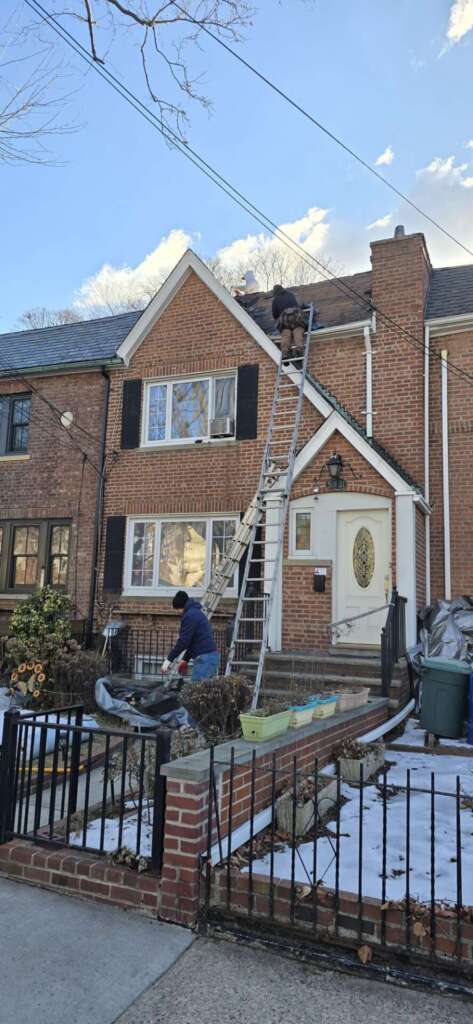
(447, 629)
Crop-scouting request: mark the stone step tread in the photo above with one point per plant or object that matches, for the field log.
(320, 656)
(322, 677)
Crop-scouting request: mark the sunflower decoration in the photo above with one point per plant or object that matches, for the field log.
(29, 680)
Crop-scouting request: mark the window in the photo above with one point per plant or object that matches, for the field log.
(301, 543)
(164, 555)
(58, 555)
(182, 410)
(32, 553)
(14, 424)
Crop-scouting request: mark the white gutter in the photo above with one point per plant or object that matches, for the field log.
(450, 324)
(427, 457)
(446, 491)
(369, 382)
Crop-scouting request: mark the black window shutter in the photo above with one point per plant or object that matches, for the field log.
(114, 552)
(247, 402)
(131, 414)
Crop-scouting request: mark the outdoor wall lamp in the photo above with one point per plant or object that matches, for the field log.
(333, 470)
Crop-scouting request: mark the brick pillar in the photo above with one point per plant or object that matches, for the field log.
(185, 838)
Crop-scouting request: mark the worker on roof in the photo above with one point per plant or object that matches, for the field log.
(291, 321)
(195, 639)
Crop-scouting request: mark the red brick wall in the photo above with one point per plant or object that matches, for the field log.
(51, 481)
(339, 364)
(460, 443)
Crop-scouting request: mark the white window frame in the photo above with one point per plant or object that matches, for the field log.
(169, 382)
(293, 551)
(164, 591)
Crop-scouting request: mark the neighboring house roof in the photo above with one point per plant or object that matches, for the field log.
(334, 300)
(84, 342)
(450, 292)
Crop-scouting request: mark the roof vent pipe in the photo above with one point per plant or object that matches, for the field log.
(399, 231)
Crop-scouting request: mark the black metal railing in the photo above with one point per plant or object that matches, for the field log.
(142, 651)
(382, 862)
(393, 640)
(67, 783)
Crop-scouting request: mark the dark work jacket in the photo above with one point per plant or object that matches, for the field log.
(195, 635)
(283, 300)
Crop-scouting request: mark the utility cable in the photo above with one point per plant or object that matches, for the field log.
(173, 139)
(318, 124)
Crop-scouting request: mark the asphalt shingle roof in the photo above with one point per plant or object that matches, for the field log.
(450, 292)
(84, 342)
(335, 302)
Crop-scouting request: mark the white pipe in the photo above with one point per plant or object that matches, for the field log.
(446, 491)
(427, 457)
(391, 723)
(369, 382)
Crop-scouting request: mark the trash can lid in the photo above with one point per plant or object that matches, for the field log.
(448, 665)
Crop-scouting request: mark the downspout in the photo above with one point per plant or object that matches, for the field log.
(446, 491)
(98, 512)
(427, 458)
(369, 382)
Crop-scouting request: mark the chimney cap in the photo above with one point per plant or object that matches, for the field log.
(399, 231)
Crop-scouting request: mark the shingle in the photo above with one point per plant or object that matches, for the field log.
(336, 303)
(67, 343)
(450, 292)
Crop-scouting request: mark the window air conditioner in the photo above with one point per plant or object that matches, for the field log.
(222, 426)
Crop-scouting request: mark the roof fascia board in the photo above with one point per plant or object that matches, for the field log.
(356, 327)
(336, 422)
(450, 324)
(60, 368)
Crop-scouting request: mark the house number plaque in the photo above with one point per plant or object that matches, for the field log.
(363, 557)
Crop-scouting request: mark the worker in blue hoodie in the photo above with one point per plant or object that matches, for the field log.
(195, 638)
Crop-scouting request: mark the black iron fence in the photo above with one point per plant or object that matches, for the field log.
(68, 783)
(382, 864)
(393, 639)
(141, 651)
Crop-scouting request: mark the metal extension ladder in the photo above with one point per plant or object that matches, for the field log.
(262, 529)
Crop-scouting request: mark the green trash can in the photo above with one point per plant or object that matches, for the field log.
(444, 696)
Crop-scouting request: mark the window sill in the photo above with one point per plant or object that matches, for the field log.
(167, 594)
(167, 445)
(15, 458)
(308, 560)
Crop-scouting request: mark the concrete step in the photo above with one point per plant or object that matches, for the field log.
(326, 664)
(324, 680)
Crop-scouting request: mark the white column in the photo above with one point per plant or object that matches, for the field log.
(446, 490)
(406, 560)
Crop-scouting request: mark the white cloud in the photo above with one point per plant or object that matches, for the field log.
(469, 145)
(467, 182)
(381, 222)
(460, 21)
(444, 169)
(385, 158)
(114, 288)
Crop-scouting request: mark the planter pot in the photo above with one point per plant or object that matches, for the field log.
(350, 766)
(257, 729)
(305, 813)
(302, 714)
(352, 699)
(325, 708)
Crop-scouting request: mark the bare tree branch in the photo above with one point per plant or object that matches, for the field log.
(42, 317)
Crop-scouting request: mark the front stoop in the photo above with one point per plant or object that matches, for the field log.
(81, 874)
(293, 674)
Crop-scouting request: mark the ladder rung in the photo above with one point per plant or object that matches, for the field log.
(252, 620)
(242, 640)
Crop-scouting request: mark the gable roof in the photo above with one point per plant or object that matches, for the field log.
(450, 292)
(335, 306)
(88, 341)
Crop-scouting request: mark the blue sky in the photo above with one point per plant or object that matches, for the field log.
(373, 72)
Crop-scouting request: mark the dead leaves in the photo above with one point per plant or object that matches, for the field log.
(365, 954)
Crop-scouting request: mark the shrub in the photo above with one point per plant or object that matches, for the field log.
(39, 628)
(215, 704)
(73, 675)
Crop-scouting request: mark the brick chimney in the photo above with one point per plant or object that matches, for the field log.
(401, 271)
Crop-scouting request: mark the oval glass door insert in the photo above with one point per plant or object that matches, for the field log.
(363, 557)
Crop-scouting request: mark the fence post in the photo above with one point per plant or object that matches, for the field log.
(75, 764)
(163, 755)
(11, 720)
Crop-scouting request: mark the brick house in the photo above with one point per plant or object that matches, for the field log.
(191, 383)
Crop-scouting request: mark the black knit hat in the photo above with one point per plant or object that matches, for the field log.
(180, 599)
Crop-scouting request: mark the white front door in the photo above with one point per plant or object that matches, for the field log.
(363, 573)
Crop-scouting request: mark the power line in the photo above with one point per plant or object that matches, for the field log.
(318, 124)
(222, 183)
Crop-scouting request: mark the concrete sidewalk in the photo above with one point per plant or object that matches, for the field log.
(217, 982)
(66, 960)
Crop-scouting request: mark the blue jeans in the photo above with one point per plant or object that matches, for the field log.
(205, 666)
